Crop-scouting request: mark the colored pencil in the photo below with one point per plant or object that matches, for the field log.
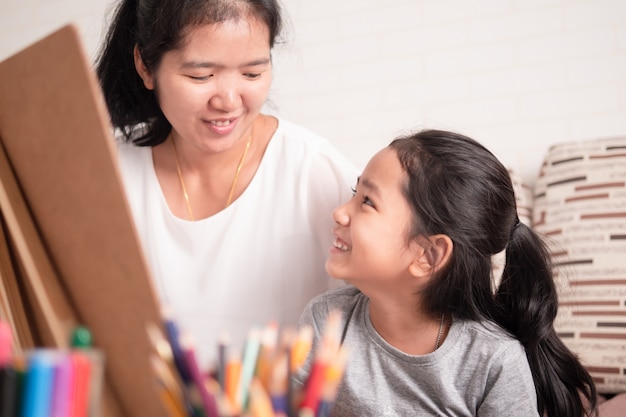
(8, 375)
(37, 394)
(278, 384)
(173, 336)
(62, 391)
(328, 349)
(167, 367)
(208, 400)
(231, 380)
(333, 377)
(222, 358)
(81, 380)
(248, 366)
(301, 347)
(260, 404)
(169, 391)
(267, 353)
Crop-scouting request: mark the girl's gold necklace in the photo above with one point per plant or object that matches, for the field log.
(232, 186)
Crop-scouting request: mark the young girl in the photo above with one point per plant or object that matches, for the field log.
(231, 204)
(426, 331)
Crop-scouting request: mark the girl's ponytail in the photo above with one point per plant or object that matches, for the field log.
(526, 305)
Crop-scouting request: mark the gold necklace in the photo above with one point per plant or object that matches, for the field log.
(440, 333)
(232, 186)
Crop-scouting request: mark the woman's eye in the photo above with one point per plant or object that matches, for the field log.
(367, 201)
(353, 191)
(200, 78)
(252, 76)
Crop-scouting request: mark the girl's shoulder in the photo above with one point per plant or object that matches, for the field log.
(343, 299)
(491, 339)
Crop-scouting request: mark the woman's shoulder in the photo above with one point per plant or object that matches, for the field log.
(294, 135)
(132, 159)
(305, 148)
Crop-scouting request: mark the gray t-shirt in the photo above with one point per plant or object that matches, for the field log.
(479, 370)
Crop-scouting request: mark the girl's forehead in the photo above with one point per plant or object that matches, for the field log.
(385, 159)
(384, 168)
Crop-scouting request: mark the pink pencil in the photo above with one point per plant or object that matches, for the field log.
(62, 390)
(208, 400)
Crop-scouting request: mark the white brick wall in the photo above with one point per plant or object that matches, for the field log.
(518, 75)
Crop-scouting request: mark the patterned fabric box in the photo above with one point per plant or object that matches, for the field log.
(580, 208)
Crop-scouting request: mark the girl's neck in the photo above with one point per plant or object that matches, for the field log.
(406, 328)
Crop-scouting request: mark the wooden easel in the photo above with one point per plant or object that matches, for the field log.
(69, 237)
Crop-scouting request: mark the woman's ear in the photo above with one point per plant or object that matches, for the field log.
(431, 256)
(142, 70)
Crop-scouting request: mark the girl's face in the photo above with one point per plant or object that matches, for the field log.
(370, 244)
(213, 88)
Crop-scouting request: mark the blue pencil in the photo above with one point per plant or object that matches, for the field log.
(37, 396)
(173, 336)
(248, 366)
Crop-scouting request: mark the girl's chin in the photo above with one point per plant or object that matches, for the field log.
(334, 272)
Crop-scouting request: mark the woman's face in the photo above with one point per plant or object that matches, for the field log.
(213, 88)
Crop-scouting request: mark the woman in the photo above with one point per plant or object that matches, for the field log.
(232, 206)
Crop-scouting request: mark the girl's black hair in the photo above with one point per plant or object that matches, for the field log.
(156, 27)
(457, 187)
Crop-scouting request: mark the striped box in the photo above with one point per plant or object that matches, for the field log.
(580, 208)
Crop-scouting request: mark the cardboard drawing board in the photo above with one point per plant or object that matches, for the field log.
(56, 133)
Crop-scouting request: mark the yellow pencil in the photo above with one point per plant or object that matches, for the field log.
(301, 347)
(260, 404)
(169, 392)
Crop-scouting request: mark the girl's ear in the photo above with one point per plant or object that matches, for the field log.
(431, 256)
(142, 70)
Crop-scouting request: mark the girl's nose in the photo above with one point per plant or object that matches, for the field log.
(340, 215)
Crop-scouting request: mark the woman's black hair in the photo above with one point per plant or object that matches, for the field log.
(456, 187)
(156, 27)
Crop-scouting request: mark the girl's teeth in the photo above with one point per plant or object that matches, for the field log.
(340, 245)
(221, 123)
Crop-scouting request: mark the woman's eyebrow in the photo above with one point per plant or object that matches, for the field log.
(209, 64)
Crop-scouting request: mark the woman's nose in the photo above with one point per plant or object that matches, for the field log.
(226, 97)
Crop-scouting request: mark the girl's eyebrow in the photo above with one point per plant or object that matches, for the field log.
(372, 187)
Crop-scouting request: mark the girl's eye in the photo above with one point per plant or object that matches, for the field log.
(353, 191)
(252, 76)
(367, 201)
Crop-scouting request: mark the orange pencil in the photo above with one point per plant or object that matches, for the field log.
(169, 390)
(269, 339)
(301, 347)
(231, 380)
